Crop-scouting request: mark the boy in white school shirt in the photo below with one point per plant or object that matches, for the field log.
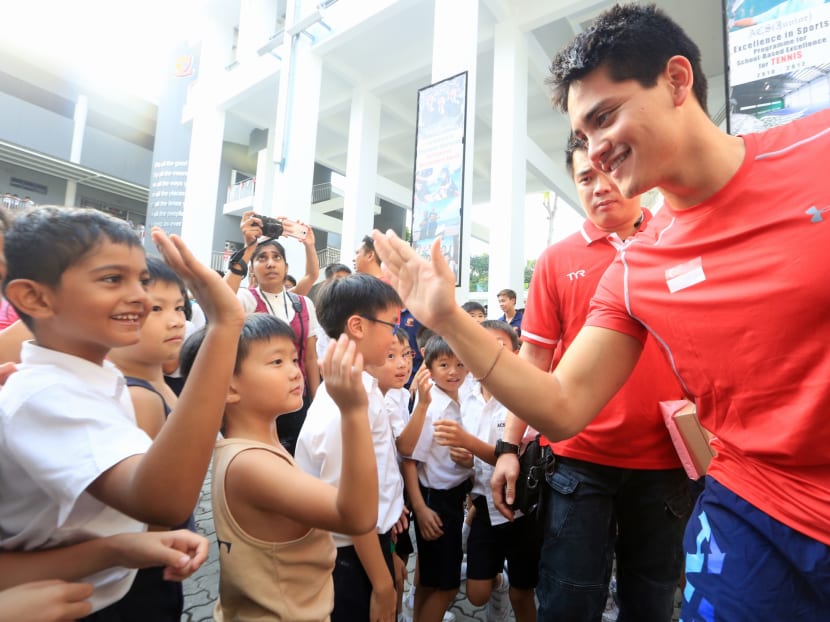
(368, 311)
(438, 488)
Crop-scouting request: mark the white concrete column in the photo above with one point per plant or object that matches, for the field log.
(508, 177)
(455, 49)
(295, 128)
(264, 189)
(257, 22)
(75, 149)
(361, 172)
(199, 213)
(207, 135)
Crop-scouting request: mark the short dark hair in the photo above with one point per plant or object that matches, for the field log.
(424, 335)
(435, 347)
(472, 305)
(334, 268)
(160, 272)
(356, 294)
(507, 292)
(574, 144)
(257, 327)
(504, 327)
(369, 243)
(291, 279)
(68, 233)
(634, 42)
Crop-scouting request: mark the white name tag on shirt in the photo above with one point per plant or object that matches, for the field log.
(685, 275)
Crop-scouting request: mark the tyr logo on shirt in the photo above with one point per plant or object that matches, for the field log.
(578, 274)
(815, 213)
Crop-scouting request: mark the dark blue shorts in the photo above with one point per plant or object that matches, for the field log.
(352, 587)
(439, 561)
(517, 542)
(743, 565)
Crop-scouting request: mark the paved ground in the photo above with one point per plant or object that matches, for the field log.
(201, 590)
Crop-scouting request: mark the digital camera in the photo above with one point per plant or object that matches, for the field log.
(271, 227)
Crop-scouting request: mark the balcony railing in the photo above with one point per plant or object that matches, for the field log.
(241, 190)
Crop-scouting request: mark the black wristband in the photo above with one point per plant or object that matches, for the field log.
(236, 263)
(503, 447)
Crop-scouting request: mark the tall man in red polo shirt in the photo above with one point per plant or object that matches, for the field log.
(735, 290)
(617, 485)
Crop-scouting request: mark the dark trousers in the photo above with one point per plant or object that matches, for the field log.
(352, 587)
(149, 598)
(594, 511)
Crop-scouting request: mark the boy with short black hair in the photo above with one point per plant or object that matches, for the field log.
(74, 465)
(492, 539)
(367, 310)
(438, 489)
(272, 519)
(475, 310)
(142, 363)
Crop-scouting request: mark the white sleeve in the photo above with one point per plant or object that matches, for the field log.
(247, 299)
(314, 326)
(65, 440)
(424, 444)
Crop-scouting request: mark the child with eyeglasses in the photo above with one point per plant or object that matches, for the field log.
(367, 310)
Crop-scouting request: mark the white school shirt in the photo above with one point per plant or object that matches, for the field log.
(435, 467)
(484, 419)
(322, 343)
(397, 405)
(63, 422)
(468, 385)
(319, 451)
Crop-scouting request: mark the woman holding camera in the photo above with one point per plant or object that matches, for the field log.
(264, 258)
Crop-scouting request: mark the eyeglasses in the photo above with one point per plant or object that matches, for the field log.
(394, 326)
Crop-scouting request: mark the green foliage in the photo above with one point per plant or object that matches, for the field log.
(529, 268)
(479, 273)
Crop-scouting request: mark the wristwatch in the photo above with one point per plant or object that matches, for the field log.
(503, 447)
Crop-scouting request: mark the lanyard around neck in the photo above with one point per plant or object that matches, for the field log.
(268, 302)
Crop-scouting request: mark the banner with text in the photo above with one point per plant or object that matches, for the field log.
(168, 179)
(437, 192)
(778, 56)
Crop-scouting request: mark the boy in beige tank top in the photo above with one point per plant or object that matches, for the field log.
(273, 520)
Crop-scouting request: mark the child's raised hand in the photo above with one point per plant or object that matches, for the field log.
(342, 370)
(423, 383)
(217, 300)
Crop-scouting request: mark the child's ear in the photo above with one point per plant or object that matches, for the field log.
(355, 327)
(232, 396)
(30, 297)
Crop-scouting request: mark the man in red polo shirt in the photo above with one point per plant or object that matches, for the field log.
(733, 288)
(617, 485)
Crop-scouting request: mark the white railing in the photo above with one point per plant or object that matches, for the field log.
(241, 190)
